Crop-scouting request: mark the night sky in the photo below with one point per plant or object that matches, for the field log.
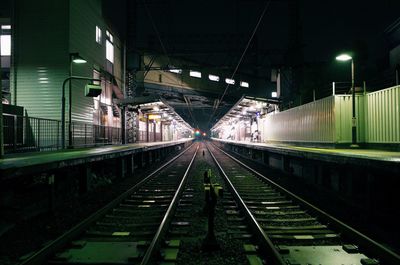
(327, 26)
(334, 25)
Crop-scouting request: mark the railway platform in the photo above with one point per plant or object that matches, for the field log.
(30, 163)
(360, 157)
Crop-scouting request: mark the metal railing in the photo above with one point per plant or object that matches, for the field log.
(30, 134)
(86, 134)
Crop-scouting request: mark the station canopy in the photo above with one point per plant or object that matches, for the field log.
(245, 109)
(156, 109)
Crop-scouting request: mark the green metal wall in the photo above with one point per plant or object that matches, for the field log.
(84, 17)
(41, 54)
(312, 122)
(46, 32)
(343, 118)
(383, 116)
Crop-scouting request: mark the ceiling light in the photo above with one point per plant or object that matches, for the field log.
(195, 74)
(244, 84)
(213, 78)
(176, 71)
(229, 81)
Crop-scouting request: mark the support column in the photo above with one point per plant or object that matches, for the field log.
(123, 126)
(52, 192)
(121, 167)
(155, 131)
(147, 130)
(161, 138)
(84, 179)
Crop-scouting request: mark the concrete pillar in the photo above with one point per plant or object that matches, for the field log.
(147, 130)
(123, 127)
(84, 179)
(121, 169)
(161, 132)
(155, 131)
(52, 192)
(131, 165)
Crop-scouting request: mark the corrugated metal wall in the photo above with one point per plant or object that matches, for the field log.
(329, 120)
(312, 122)
(383, 116)
(43, 42)
(343, 114)
(84, 17)
(41, 55)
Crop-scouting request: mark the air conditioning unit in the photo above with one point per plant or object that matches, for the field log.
(92, 90)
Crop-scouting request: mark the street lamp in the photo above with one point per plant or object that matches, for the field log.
(69, 79)
(345, 58)
(77, 59)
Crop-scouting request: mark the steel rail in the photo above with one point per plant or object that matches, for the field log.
(262, 237)
(162, 229)
(372, 247)
(40, 256)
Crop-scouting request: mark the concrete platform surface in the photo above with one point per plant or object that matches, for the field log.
(15, 163)
(326, 154)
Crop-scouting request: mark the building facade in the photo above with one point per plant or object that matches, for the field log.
(43, 44)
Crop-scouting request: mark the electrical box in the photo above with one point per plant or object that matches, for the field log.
(92, 90)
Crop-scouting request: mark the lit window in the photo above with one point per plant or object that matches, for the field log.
(109, 36)
(229, 81)
(5, 42)
(109, 47)
(176, 71)
(244, 84)
(98, 35)
(274, 94)
(213, 78)
(109, 51)
(195, 74)
(5, 26)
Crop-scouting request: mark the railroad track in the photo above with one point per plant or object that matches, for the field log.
(290, 230)
(129, 229)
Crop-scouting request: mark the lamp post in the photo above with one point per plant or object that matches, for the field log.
(70, 110)
(77, 59)
(344, 58)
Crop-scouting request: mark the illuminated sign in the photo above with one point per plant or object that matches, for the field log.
(154, 116)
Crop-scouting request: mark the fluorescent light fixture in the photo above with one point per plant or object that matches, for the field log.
(5, 26)
(77, 59)
(343, 57)
(229, 81)
(213, 78)
(195, 74)
(176, 71)
(244, 84)
(274, 94)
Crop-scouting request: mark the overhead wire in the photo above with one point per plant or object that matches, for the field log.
(240, 60)
(165, 52)
(157, 32)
